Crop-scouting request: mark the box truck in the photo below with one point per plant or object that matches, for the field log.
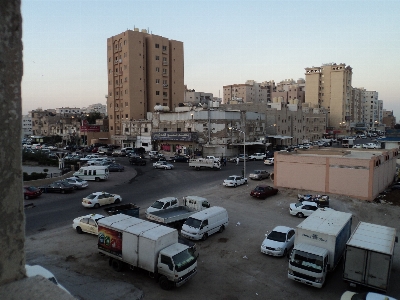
(318, 246)
(202, 163)
(369, 255)
(137, 243)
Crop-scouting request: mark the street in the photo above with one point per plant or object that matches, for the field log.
(230, 264)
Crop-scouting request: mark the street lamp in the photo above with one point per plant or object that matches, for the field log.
(244, 149)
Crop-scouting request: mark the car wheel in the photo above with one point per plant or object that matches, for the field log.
(175, 160)
(96, 205)
(204, 237)
(26, 197)
(117, 201)
(235, 185)
(62, 192)
(221, 229)
(79, 230)
(164, 283)
(97, 179)
(300, 215)
(284, 253)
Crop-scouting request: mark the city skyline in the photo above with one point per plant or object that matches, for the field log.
(225, 42)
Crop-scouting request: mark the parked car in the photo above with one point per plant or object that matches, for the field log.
(395, 186)
(257, 156)
(234, 180)
(31, 192)
(163, 165)
(98, 199)
(116, 168)
(242, 157)
(117, 153)
(357, 146)
(37, 270)
(179, 158)
(304, 209)
(370, 146)
(269, 161)
(279, 241)
(87, 223)
(77, 182)
(364, 296)
(136, 160)
(58, 187)
(263, 191)
(259, 175)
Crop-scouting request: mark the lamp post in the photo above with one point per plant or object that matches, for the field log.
(244, 149)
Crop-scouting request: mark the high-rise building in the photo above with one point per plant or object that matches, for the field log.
(144, 71)
(329, 86)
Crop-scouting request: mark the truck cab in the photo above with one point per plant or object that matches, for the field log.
(195, 202)
(309, 264)
(163, 203)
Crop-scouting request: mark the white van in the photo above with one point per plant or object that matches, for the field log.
(96, 173)
(204, 223)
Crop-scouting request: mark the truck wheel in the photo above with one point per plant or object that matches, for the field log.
(300, 215)
(164, 283)
(221, 229)
(79, 230)
(96, 205)
(204, 237)
(97, 179)
(116, 265)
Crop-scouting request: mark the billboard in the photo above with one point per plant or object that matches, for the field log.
(110, 241)
(90, 128)
(174, 136)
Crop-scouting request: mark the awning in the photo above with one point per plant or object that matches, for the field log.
(251, 144)
(280, 137)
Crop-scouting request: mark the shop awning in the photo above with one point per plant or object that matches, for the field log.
(280, 137)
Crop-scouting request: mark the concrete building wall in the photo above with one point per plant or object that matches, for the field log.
(360, 174)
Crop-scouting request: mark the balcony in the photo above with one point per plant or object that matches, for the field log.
(165, 63)
(165, 86)
(165, 74)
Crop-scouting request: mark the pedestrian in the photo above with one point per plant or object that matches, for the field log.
(224, 162)
(237, 160)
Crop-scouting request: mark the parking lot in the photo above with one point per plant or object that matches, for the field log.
(230, 264)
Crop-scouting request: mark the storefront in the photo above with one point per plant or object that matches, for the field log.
(184, 143)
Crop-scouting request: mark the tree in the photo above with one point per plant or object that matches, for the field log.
(93, 116)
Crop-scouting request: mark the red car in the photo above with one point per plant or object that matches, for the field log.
(31, 192)
(263, 191)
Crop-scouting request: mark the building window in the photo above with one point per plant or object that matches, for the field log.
(124, 42)
(126, 116)
(189, 129)
(146, 129)
(111, 128)
(157, 80)
(126, 92)
(126, 103)
(157, 92)
(157, 69)
(164, 48)
(178, 129)
(165, 129)
(157, 45)
(164, 71)
(157, 57)
(126, 129)
(111, 116)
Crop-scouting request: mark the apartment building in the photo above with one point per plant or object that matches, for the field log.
(371, 109)
(329, 86)
(68, 111)
(388, 119)
(98, 107)
(288, 90)
(250, 91)
(144, 71)
(197, 98)
(26, 126)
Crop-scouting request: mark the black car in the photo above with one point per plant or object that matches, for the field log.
(137, 160)
(179, 158)
(116, 168)
(58, 187)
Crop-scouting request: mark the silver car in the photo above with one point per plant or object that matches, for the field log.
(259, 175)
(279, 241)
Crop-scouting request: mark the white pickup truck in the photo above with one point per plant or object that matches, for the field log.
(201, 163)
(257, 156)
(234, 180)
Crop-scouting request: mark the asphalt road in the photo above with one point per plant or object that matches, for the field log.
(141, 185)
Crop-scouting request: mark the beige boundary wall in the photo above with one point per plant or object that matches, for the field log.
(361, 174)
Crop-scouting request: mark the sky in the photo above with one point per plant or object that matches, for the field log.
(225, 42)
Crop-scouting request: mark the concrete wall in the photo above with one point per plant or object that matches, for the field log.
(12, 225)
(359, 174)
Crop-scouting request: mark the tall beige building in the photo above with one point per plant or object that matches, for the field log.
(144, 71)
(329, 86)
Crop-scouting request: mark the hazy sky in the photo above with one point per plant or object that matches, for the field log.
(225, 42)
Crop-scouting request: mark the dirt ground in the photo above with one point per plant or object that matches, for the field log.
(230, 264)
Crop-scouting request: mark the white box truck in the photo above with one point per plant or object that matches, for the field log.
(318, 246)
(348, 143)
(369, 255)
(201, 163)
(137, 243)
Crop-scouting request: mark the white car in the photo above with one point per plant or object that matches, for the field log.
(234, 180)
(36, 270)
(269, 161)
(98, 199)
(370, 146)
(77, 182)
(358, 146)
(257, 156)
(163, 165)
(87, 223)
(365, 296)
(303, 209)
(279, 241)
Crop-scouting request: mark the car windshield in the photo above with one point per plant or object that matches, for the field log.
(91, 196)
(183, 260)
(231, 178)
(299, 204)
(32, 189)
(307, 261)
(193, 223)
(277, 236)
(158, 205)
(78, 180)
(259, 189)
(257, 172)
